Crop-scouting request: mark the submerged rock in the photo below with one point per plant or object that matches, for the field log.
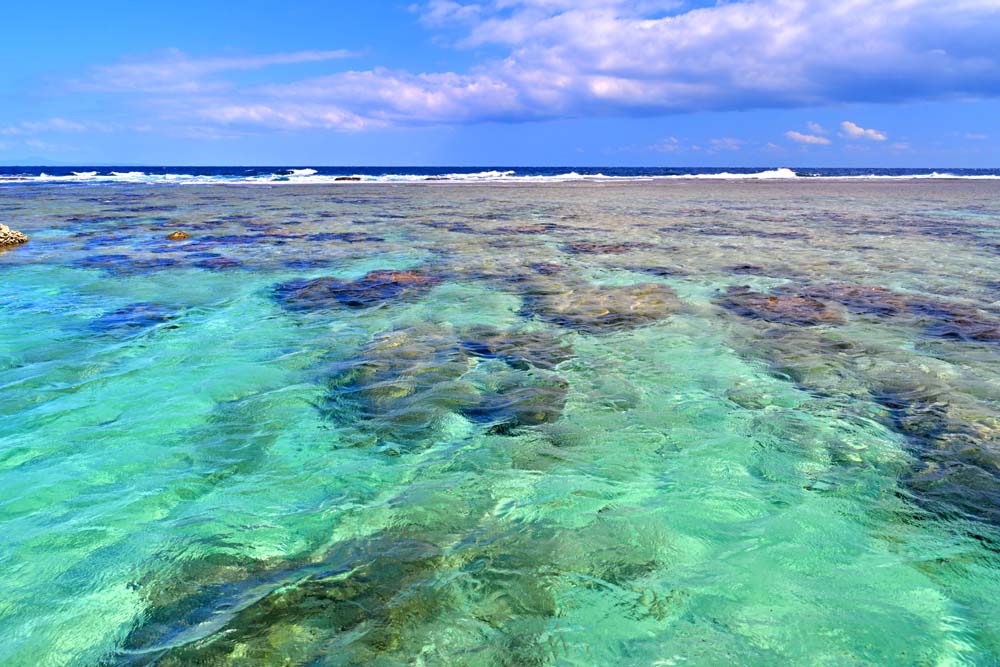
(359, 592)
(120, 264)
(595, 309)
(593, 248)
(520, 350)
(940, 319)
(11, 237)
(779, 308)
(405, 384)
(866, 299)
(178, 236)
(372, 289)
(133, 317)
(402, 384)
(218, 263)
(515, 399)
(957, 469)
(956, 322)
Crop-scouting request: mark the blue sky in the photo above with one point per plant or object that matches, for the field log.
(503, 82)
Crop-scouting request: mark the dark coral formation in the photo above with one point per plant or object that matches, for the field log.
(597, 309)
(515, 399)
(593, 248)
(520, 350)
(277, 612)
(405, 383)
(373, 289)
(217, 263)
(866, 299)
(779, 308)
(939, 318)
(133, 317)
(118, 264)
(957, 470)
(956, 322)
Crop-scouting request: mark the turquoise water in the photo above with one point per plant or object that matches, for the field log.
(501, 425)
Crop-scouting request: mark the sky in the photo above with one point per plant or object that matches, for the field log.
(823, 83)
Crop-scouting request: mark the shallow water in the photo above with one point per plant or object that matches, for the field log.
(501, 425)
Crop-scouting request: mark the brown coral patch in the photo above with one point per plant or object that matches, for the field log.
(779, 308)
(594, 309)
(372, 289)
(868, 299)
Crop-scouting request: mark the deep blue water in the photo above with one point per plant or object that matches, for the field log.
(305, 173)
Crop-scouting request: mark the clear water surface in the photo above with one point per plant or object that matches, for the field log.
(667, 423)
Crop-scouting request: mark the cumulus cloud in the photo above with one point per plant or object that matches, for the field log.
(576, 58)
(855, 131)
(815, 128)
(802, 138)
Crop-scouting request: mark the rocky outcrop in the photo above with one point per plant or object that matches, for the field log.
(867, 299)
(600, 309)
(779, 308)
(11, 237)
(406, 384)
(372, 289)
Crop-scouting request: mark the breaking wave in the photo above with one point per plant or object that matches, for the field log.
(348, 175)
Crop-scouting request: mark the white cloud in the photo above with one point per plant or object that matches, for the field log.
(801, 138)
(726, 144)
(173, 71)
(575, 58)
(288, 117)
(669, 145)
(815, 128)
(854, 131)
(50, 125)
(976, 136)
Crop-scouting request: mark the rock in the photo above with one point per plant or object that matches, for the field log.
(121, 264)
(956, 322)
(405, 383)
(520, 350)
(178, 236)
(591, 248)
(218, 263)
(133, 317)
(957, 470)
(372, 289)
(547, 268)
(517, 399)
(779, 308)
(402, 385)
(597, 310)
(10, 237)
(540, 228)
(868, 299)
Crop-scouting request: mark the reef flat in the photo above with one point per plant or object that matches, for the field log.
(639, 423)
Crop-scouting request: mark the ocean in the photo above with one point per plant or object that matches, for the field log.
(325, 175)
(518, 417)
